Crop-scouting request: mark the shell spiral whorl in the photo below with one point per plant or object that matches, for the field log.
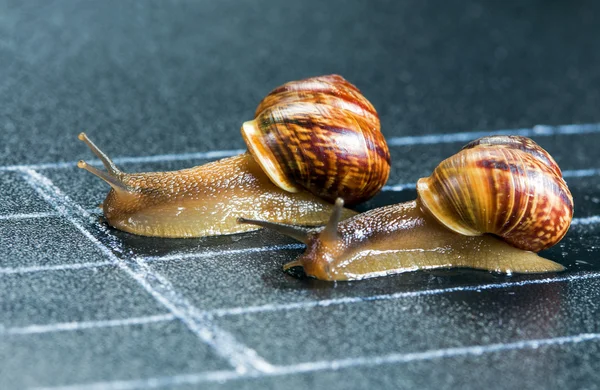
(504, 185)
(323, 135)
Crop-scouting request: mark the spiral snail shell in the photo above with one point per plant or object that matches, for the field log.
(311, 141)
(505, 185)
(491, 206)
(320, 134)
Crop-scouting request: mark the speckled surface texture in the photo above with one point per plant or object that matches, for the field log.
(85, 306)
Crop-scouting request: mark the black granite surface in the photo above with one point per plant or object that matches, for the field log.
(86, 306)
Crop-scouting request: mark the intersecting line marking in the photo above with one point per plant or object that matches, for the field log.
(242, 358)
(330, 365)
(538, 130)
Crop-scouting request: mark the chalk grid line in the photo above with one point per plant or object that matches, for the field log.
(535, 131)
(80, 325)
(149, 259)
(44, 214)
(242, 358)
(330, 365)
(400, 187)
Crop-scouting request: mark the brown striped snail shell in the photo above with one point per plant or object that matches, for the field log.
(311, 141)
(504, 185)
(491, 206)
(320, 134)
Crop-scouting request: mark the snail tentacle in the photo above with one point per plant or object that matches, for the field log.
(108, 163)
(114, 181)
(114, 176)
(296, 232)
(330, 232)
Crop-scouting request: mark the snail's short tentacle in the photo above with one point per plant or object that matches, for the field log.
(292, 264)
(114, 180)
(293, 231)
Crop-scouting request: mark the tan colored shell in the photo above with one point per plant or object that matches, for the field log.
(323, 135)
(505, 185)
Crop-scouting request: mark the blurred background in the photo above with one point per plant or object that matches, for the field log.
(147, 77)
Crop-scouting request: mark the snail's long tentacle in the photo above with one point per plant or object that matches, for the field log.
(293, 231)
(108, 163)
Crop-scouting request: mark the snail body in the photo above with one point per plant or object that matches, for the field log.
(491, 206)
(311, 142)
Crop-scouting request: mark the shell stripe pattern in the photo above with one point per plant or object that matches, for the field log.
(504, 185)
(328, 135)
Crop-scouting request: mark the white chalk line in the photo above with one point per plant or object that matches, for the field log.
(28, 215)
(303, 305)
(225, 253)
(400, 187)
(44, 214)
(333, 365)
(130, 160)
(572, 173)
(71, 326)
(56, 267)
(592, 220)
(244, 359)
(538, 130)
(441, 138)
(150, 259)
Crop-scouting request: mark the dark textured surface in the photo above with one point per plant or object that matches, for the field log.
(73, 295)
(18, 197)
(147, 78)
(98, 354)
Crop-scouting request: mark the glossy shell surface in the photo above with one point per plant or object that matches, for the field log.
(320, 134)
(504, 185)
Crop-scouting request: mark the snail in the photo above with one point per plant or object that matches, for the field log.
(491, 206)
(311, 141)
